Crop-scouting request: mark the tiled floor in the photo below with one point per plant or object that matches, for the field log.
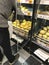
(24, 59)
(29, 61)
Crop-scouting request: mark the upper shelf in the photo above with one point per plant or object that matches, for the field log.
(42, 2)
(24, 11)
(25, 1)
(42, 16)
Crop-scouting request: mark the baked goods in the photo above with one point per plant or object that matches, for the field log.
(48, 27)
(40, 35)
(30, 1)
(45, 36)
(24, 25)
(25, 10)
(45, 28)
(47, 33)
(48, 38)
(42, 31)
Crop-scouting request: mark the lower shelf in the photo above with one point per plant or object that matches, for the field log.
(31, 47)
(42, 45)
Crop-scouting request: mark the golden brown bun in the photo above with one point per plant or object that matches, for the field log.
(48, 38)
(48, 27)
(44, 36)
(42, 31)
(47, 33)
(40, 35)
(45, 28)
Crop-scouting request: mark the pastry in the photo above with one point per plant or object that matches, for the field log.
(44, 36)
(42, 31)
(45, 28)
(47, 33)
(48, 27)
(40, 35)
(48, 38)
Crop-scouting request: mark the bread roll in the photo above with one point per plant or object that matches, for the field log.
(42, 31)
(47, 33)
(48, 27)
(44, 36)
(48, 38)
(45, 28)
(40, 35)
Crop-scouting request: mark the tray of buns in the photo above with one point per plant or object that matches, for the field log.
(20, 32)
(22, 27)
(43, 35)
(43, 12)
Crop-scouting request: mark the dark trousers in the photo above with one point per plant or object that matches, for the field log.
(5, 44)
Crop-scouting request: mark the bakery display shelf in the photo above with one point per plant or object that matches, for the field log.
(21, 33)
(25, 13)
(41, 44)
(26, 5)
(19, 17)
(41, 37)
(44, 2)
(17, 38)
(24, 43)
(25, 1)
(42, 40)
(22, 10)
(32, 48)
(42, 16)
(43, 12)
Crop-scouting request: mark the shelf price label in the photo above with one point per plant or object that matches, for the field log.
(46, 17)
(46, 2)
(40, 16)
(43, 16)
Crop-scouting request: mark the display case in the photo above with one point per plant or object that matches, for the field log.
(40, 33)
(41, 25)
(22, 24)
(32, 24)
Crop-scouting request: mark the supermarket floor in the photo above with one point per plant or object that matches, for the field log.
(24, 59)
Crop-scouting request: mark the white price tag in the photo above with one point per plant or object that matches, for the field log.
(43, 16)
(46, 17)
(22, 1)
(40, 16)
(44, 2)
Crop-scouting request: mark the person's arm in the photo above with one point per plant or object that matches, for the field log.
(5, 12)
